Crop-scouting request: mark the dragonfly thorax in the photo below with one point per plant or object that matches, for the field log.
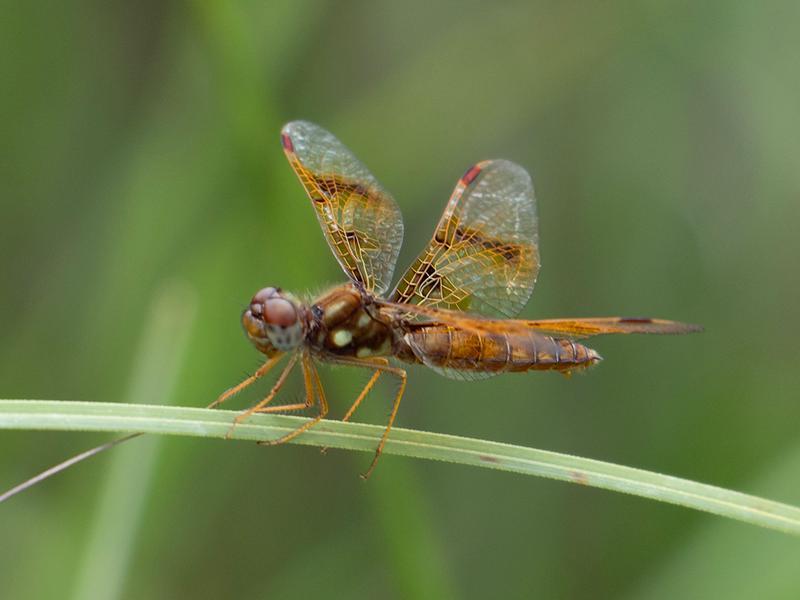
(344, 324)
(272, 321)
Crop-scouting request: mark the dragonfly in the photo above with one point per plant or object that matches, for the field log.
(454, 308)
(452, 311)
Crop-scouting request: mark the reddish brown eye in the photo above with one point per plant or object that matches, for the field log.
(264, 294)
(280, 312)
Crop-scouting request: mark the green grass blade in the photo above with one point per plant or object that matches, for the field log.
(94, 416)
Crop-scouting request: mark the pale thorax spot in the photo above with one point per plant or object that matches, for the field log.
(363, 320)
(341, 337)
(364, 352)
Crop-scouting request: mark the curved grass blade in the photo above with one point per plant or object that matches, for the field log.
(94, 416)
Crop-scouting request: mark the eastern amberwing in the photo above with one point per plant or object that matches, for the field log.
(453, 310)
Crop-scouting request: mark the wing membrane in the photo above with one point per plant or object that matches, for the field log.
(571, 328)
(484, 256)
(604, 325)
(360, 220)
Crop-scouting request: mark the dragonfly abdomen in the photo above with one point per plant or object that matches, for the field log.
(451, 348)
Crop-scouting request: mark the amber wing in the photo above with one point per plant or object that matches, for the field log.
(586, 327)
(572, 328)
(360, 220)
(483, 257)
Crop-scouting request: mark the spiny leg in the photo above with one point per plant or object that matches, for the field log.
(361, 396)
(262, 370)
(395, 406)
(258, 407)
(308, 382)
(311, 378)
(364, 392)
(381, 366)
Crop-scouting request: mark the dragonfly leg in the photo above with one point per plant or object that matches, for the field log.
(312, 380)
(262, 370)
(309, 402)
(361, 396)
(364, 392)
(380, 366)
(260, 406)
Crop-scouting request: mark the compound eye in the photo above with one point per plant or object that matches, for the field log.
(280, 312)
(263, 295)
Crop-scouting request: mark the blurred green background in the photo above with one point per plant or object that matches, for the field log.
(139, 148)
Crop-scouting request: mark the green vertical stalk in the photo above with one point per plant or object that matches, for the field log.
(107, 554)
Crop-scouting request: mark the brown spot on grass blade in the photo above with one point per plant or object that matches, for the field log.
(579, 477)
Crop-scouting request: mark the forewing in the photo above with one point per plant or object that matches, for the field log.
(484, 255)
(360, 220)
(577, 328)
(569, 328)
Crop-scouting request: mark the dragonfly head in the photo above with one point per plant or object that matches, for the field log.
(272, 321)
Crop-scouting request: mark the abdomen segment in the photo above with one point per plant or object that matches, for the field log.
(451, 349)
